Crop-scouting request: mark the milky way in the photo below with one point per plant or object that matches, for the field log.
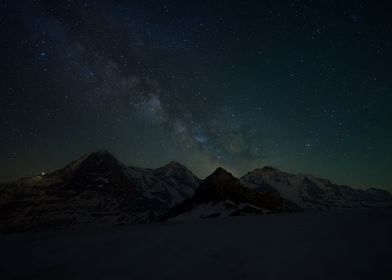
(302, 85)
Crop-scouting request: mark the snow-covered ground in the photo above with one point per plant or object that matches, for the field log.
(341, 244)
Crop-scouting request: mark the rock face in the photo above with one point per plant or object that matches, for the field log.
(221, 194)
(95, 189)
(313, 193)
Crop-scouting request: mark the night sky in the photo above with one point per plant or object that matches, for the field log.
(305, 86)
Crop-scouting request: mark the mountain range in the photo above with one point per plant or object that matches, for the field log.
(97, 189)
(221, 194)
(312, 193)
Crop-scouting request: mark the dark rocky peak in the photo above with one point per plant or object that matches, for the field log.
(219, 185)
(220, 175)
(221, 172)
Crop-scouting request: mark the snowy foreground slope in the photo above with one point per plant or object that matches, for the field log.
(336, 244)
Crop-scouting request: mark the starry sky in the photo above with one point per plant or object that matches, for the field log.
(305, 86)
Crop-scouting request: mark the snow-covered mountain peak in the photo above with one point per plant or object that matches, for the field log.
(98, 161)
(173, 167)
(100, 155)
(101, 152)
(268, 171)
(174, 164)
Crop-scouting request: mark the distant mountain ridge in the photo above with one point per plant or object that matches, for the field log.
(312, 193)
(97, 189)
